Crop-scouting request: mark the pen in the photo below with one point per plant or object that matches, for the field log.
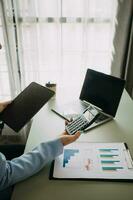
(128, 157)
(60, 115)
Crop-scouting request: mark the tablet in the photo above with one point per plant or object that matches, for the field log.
(25, 106)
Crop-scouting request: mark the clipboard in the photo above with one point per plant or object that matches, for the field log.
(93, 161)
(25, 105)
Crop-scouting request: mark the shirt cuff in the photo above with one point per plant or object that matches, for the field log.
(56, 147)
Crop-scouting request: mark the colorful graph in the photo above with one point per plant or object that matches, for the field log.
(109, 163)
(94, 160)
(109, 159)
(68, 153)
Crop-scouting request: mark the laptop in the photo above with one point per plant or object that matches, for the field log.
(103, 91)
(100, 90)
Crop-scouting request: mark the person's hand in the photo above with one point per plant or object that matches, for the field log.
(3, 105)
(67, 139)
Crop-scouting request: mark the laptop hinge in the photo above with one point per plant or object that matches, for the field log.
(99, 109)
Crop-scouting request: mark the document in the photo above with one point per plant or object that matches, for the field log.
(83, 160)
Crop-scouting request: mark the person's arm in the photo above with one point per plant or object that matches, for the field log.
(28, 164)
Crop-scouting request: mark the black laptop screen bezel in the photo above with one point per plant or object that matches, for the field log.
(102, 90)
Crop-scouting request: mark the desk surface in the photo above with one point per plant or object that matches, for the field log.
(46, 126)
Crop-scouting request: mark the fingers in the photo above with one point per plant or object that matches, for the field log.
(67, 122)
(75, 136)
(64, 133)
(3, 105)
(67, 139)
(6, 102)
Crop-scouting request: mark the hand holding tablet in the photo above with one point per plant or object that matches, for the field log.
(25, 106)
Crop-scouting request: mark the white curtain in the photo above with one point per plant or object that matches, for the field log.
(57, 40)
(9, 68)
(4, 88)
(4, 76)
(60, 39)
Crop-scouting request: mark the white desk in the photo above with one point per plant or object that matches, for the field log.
(47, 125)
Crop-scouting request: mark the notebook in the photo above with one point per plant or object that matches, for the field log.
(25, 105)
(102, 91)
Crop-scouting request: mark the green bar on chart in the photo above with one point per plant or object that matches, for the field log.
(111, 168)
(108, 150)
(107, 155)
(109, 161)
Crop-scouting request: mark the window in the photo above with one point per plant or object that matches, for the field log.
(57, 40)
(62, 38)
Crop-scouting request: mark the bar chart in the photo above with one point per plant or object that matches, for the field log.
(110, 159)
(68, 153)
(78, 159)
(94, 160)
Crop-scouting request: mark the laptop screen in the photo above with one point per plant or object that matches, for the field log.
(102, 90)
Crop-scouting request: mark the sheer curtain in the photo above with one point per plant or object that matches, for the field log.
(60, 39)
(9, 69)
(4, 76)
(57, 40)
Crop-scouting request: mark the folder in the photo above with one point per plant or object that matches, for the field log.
(93, 161)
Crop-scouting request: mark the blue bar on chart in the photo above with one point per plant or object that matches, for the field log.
(68, 153)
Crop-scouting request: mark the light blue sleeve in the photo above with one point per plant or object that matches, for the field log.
(28, 164)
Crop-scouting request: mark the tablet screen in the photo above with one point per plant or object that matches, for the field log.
(25, 106)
